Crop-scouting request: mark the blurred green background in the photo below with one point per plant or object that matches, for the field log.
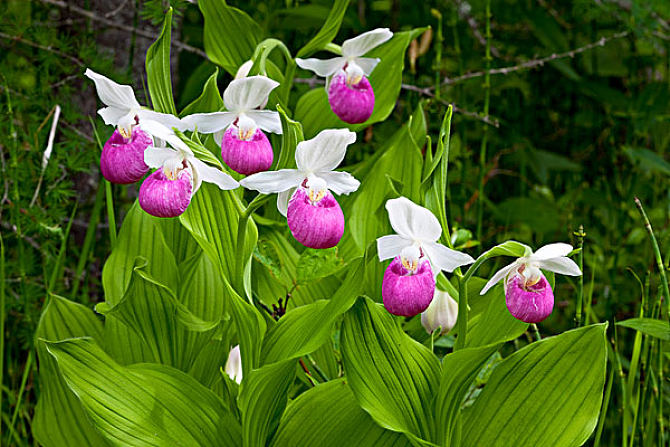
(578, 124)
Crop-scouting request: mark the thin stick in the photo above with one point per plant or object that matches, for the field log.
(536, 62)
(41, 47)
(579, 316)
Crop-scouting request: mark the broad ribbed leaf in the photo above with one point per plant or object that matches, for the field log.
(393, 377)
(314, 112)
(304, 329)
(213, 219)
(489, 320)
(648, 326)
(291, 136)
(548, 393)
(328, 31)
(329, 415)
(230, 35)
(459, 369)
(210, 99)
(145, 404)
(159, 79)
(60, 420)
(262, 400)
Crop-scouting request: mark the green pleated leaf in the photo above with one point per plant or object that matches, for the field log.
(328, 31)
(60, 419)
(329, 415)
(304, 329)
(159, 79)
(314, 112)
(489, 320)
(459, 369)
(648, 326)
(230, 35)
(393, 377)
(210, 99)
(548, 393)
(262, 400)
(145, 404)
(291, 136)
(213, 220)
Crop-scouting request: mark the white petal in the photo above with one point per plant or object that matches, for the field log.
(321, 67)
(113, 115)
(367, 64)
(243, 71)
(561, 265)
(273, 181)
(390, 246)
(498, 276)
(111, 93)
(165, 119)
(340, 182)
(444, 258)
(282, 200)
(267, 120)
(158, 130)
(325, 151)
(551, 251)
(209, 122)
(360, 45)
(248, 93)
(155, 157)
(211, 174)
(413, 221)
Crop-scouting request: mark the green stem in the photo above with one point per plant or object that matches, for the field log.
(2, 321)
(482, 149)
(657, 253)
(240, 264)
(333, 48)
(24, 380)
(462, 312)
(579, 317)
(603, 411)
(536, 332)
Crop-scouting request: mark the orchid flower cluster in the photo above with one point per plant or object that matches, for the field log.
(145, 140)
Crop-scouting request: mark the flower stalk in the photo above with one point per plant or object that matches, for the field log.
(579, 316)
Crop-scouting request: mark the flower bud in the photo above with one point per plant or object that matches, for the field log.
(528, 302)
(122, 160)
(246, 156)
(352, 100)
(442, 313)
(166, 194)
(407, 293)
(315, 218)
(234, 364)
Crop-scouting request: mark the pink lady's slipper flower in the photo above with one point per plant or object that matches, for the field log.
(349, 92)
(441, 313)
(314, 216)
(122, 159)
(239, 131)
(167, 191)
(528, 295)
(409, 281)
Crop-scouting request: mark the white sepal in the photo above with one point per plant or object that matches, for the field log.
(499, 276)
(157, 130)
(248, 93)
(562, 265)
(209, 174)
(209, 122)
(412, 221)
(111, 93)
(444, 258)
(391, 246)
(325, 151)
(365, 42)
(323, 68)
(269, 182)
(169, 121)
(282, 200)
(267, 120)
(549, 251)
(112, 116)
(340, 182)
(243, 71)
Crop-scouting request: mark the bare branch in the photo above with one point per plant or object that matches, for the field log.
(41, 47)
(536, 62)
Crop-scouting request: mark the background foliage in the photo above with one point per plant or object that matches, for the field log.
(536, 150)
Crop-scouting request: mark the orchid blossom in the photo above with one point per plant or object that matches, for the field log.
(528, 294)
(239, 131)
(409, 281)
(314, 216)
(167, 192)
(349, 92)
(122, 159)
(233, 365)
(441, 313)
